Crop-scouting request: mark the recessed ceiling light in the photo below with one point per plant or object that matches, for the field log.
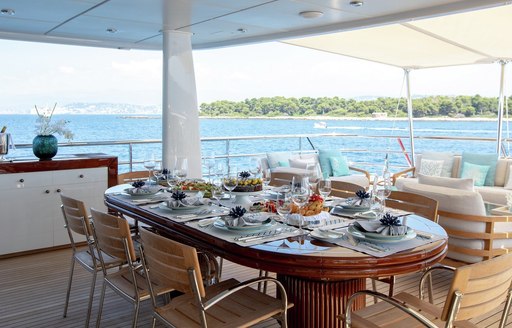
(111, 30)
(311, 14)
(356, 3)
(241, 30)
(7, 11)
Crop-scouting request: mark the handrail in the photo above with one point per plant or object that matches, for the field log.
(229, 140)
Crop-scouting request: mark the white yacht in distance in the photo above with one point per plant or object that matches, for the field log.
(320, 125)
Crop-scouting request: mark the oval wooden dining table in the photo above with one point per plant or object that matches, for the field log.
(318, 276)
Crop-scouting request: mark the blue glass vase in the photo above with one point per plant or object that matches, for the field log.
(45, 147)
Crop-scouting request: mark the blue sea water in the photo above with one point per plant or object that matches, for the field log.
(88, 128)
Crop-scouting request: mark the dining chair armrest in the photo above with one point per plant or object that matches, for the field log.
(366, 173)
(219, 297)
(402, 173)
(347, 317)
(428, 275)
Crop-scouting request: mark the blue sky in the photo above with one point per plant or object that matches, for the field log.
(34, 73)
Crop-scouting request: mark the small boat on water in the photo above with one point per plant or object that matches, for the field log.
(320, 125)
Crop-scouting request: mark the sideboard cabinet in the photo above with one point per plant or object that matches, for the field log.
(31, 218)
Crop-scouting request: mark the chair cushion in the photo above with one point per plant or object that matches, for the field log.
(339, 165)
(357, 179)
(456, 183)
(446, 157)
(508, 183)
(301, 163)
(482, 159)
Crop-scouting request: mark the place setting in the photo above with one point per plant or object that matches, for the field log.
(246, 228)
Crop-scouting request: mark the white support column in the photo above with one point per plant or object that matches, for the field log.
(501, 105)
(180, 113)
(409, 114)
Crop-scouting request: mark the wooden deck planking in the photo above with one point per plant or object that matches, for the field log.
(33, 289)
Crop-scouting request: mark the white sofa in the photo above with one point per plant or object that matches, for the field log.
(297, 167)
(462, 202)
(491, 194)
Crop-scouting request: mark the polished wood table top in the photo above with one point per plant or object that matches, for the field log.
(297, 256)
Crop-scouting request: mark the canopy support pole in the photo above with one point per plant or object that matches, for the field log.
(409, 114)
(501, 105)
(180, 116)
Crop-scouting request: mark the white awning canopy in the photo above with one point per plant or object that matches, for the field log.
(474, 37)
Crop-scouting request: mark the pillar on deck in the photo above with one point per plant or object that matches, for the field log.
(180, 113)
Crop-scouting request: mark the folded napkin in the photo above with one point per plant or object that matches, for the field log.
(250, 219)
(378, 227)
(187, 202)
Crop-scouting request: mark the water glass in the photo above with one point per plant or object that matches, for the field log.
(324, 188)
(217, 191)
(172, 181)
(149, 163)
(283, 204)
(255, 166)
(300, 195)
(181, 168)
(158, 172)
(314, 173)
(230, 181)
(266, 177)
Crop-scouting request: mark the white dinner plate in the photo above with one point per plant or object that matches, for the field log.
(150, 192)
(372, 236)
(182, 208)
(325, 235)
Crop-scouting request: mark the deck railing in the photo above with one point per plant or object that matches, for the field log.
(363, 156)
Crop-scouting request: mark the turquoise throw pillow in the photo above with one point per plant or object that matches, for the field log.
(476, 172)
(274, 159)
(284, 163)
(339, 166)
(325, 163)
(482, 159)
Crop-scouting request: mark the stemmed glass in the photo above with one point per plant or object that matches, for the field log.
(230, 181)
(283, 208)
(314, 173)
(172, 181)
(158, 172)
(181, 168)
(149, 163)
(217, 190)
(255, 166)
(382, 193)
(265, 178)
(324, 188)
(300, 196)
(209, 163)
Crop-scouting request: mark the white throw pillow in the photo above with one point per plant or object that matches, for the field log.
(301, 163)
(447, 159)
(431, 167)
(508, 183)
(455, 183)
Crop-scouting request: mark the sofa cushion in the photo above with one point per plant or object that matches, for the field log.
(508, 183)
(446, 157)
(431, 167)
(476, 172)
(357, 179)
(277, 158)
(325, 163)
(301, 163)
(495, 195)
(339, 165)
(456, 183)
(482, 159)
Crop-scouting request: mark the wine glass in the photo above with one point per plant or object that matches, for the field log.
(382, 193)
(300, 196)
(181, 168)
(314, 173)
(324, 187)
(172, 181)
(283, 204)
(255, 166)
(217, 190)
(149, 163)
(230, 181)
(158, 172)
(265, 178)
(209, 163)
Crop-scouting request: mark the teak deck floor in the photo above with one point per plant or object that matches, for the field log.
(33, 289)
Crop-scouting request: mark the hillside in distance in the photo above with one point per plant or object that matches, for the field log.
(108, 109)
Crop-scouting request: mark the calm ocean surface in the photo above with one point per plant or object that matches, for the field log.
(116, 127)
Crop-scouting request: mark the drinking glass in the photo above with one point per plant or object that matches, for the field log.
(255, 166)
(230, 181)
(324, 188)
(314, 173)
(217, 190)
(265, 178)
(158, 172)
(300, 196)
(209, 163)
(283, 204)
(382, 193)
(172, 181)
(181, 168)
(149, 163)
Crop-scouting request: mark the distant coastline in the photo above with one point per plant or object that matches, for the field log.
(350, 118)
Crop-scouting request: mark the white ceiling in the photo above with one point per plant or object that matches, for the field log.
(214, 23)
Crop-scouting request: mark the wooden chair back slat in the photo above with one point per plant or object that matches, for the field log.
(344, 189)
(418, 204)
(131, 176)
(75, 216)
(484, 286)
(169, 261)
(110, 231)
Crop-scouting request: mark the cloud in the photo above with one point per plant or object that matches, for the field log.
(150, 68)
(67, 69)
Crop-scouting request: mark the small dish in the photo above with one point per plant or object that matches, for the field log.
(376, 237)
(264, 225)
